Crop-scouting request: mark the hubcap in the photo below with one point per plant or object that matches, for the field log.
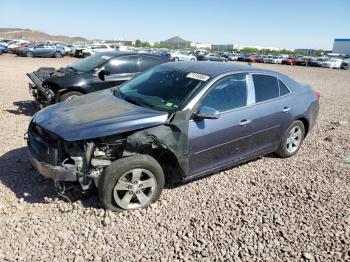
(135, 189)
(294, 139)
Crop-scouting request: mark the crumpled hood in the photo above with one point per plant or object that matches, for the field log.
(96, 115)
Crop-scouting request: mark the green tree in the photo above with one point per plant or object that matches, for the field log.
(138, 43)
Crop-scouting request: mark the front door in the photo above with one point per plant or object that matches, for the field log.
(218, 142)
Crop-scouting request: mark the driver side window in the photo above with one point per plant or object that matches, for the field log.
(228, 93)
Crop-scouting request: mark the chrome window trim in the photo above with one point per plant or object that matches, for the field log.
(192, 104)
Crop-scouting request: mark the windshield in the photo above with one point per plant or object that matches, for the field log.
(162, 88)
(91, 62)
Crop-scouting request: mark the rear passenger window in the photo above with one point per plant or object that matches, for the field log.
(149, 61)
(283, 89)
(122, 65)
(266, 87)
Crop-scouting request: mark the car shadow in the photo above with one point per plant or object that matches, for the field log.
(24, 181)
(26, 108)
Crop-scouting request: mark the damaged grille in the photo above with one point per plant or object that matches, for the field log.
(45, 144)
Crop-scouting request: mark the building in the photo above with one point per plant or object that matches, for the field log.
(226, 47)
(176, 43)
(341, 46)
(201, 45)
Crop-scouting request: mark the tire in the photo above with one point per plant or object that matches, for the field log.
(118, 173)
(58, 55)
(286, 148)
(30, 54)
(69, 95)
(176, 59)
(86, 55)
(193, 59)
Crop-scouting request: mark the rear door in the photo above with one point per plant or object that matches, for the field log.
(273, 106)
(218, 142)
(121, 69)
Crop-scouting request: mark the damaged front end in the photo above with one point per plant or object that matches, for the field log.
(39, 89)
(83, 162)
(78, 162)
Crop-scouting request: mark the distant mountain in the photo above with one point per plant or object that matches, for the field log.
(33, 35)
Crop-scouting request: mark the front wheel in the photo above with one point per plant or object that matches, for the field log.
(131, 183)
(30, 54)
(292, 140)
(69, 96)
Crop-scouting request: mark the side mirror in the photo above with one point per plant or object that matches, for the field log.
(103, 73)
(206, 112)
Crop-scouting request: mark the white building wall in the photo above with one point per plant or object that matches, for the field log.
(341, 46)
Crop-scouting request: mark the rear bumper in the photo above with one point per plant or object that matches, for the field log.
(57, 173)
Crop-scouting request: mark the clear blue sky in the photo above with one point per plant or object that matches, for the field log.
(290, 24)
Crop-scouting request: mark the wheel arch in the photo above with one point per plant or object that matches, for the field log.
(167, 160)
(306, 124)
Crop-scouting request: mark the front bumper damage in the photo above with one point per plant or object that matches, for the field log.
(56, 173)
(43, 95)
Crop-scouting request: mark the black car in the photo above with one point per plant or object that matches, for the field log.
(97, 72)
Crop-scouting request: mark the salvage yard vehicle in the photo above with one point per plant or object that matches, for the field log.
(216, 57)
(97, 48)
(42, 50)
(94, 73)
(332, 63)
(176, 120)
(182, 56)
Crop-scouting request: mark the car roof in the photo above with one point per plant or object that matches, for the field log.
(211, 68)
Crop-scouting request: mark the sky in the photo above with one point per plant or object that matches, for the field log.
(268, 23)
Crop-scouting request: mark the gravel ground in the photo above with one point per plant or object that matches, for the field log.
(266, 210)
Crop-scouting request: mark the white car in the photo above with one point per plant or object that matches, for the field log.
(233, 57)
(182, 56)
(16, 43)
(332, 63)
(275, 60)
(97, 48)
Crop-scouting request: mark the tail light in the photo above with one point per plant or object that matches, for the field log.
(317, 94)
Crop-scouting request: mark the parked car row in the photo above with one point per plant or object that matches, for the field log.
(329, 62)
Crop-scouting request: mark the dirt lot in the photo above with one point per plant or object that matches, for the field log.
(267, 210)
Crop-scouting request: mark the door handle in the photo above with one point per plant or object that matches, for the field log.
(245, 122)
(286, 109)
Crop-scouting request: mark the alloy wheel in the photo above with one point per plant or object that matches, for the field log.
(135, 189)
(294, 139)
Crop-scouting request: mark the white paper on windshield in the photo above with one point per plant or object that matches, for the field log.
(198, 76)
(105, 57)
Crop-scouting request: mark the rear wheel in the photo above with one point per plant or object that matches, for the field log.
(69, 96)
(176, 59)
(58, 55)
(131, 183)
(292, 140)
(30, 54)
